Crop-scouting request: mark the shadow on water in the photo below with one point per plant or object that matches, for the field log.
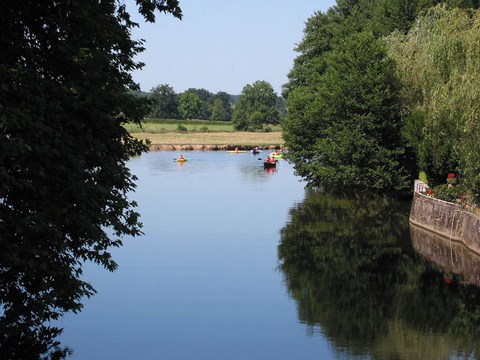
(350, 266)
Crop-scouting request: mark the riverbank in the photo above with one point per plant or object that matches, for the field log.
(244, 140)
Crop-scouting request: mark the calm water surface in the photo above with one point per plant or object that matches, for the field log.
(240, 263)
(203, 283)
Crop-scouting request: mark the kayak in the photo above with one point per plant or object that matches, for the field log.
(236, 152)
(269, 165)
(181, 160)
(276, 155)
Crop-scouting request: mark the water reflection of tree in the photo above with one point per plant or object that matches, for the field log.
(349, 264)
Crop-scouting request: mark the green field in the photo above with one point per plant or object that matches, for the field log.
(197, 132)
(160, 126)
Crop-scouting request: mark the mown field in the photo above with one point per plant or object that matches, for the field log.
(198, 132)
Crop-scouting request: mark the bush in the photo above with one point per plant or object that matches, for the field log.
(455, 194)
(181, 128)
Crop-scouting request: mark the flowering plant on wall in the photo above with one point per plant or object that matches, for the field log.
(451, 179)
(450, 193)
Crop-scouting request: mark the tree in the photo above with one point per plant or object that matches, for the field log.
(218, 111)
(221, 107)
(343, 130)
(64, 94)
(255, 107)
(189, 105)
(439, 65)
(165, 102)
(319, 38)
(335, 95)
(280, 107)
(206, 99)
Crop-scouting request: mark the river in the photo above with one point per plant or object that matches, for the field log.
(238, 262)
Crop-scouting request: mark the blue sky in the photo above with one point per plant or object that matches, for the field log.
(223, 45)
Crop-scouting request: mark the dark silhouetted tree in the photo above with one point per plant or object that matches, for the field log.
(65, 91)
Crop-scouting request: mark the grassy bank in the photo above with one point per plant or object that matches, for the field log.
(196, 132)
(161, 126)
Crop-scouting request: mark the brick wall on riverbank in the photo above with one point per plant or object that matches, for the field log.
(447, 219)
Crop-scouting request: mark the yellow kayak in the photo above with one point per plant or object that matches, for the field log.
(276, 155)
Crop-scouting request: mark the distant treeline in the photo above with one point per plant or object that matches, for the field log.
(258, 105)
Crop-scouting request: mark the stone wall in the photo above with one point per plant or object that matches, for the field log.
(447, 219)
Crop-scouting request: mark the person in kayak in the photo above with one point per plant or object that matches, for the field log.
(269, 160)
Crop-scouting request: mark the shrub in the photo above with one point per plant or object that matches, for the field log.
(181, 128)
(454, 194)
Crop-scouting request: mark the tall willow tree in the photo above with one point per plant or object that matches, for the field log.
(439, 63)
(65, 91)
